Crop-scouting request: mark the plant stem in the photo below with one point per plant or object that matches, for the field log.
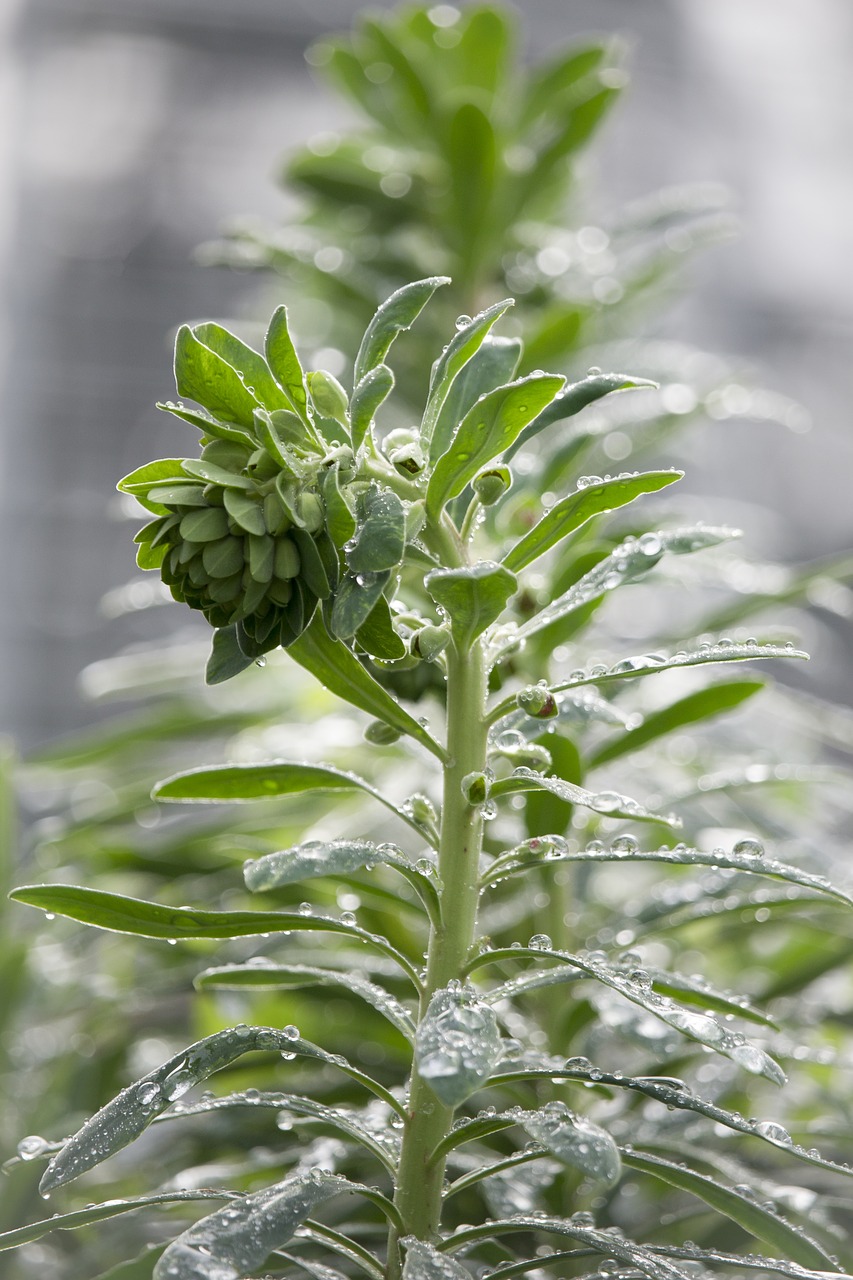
(420, 1182)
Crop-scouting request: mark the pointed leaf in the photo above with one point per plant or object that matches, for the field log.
(370, 392)
(203, 376)
(317, 858)
(396, 314)
(572, 512)
(462, 348)
(340, 671)
(227, 658)
(575, 1140)
(474, 597)
(100, 1213)
(494, 365)
(763, 1223)
(457, 1044)
(340, 520)
(702, 705)
(722, 650)
(576, 396)
(486, 431)
(161, 471)
(284, 362)
(250, 364)
(377, 636)
(206, 423)
(355, 600)
(238, 1239)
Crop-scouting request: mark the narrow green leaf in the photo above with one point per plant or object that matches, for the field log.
(486, 431)
(250, 364)
(396, 314)
(355, 600)
(203, 376)
(474, 597)
(424, 1262)
(575, 397)
(548, 83)
(462, 348)
(335, 666)
(608, 803)
(207, 424)
(316, 858)
(471, 150)
(284, 362)
(369, 393)
(572, 512)
(493, 365)
(227, 658)
(340, 520)
(162, 471)
(100, 1213)
(702, 705)
(201, 469)
(762, 1223)
(276, 976)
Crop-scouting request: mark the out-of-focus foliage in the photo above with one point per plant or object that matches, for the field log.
(468, 166)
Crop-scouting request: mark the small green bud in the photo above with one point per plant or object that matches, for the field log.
(476, 788)
(491, 485)
(422, 809)
(399, 438)
(261, 466)
(408, 458)
(538, 701)
(328, 395)
(286, 560)
(310, 511)
(530, 755)
(430, 641)
(380, 734)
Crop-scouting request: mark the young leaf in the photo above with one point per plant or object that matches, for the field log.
(457, 1044)
(340, 520)
(463, 347)
(207, 424)
(701, 705)
(763, 1223)
(570, 513)
(284, 362)
(370, 392)
(486, 431)
(377, 636)
(575, 397)
(162, 471)
(251, 365)
(424, 1262)
(575, 1140)
(474, 597)
(396, 314)
(227, 658)
(316, 858)
(238, 1239)
(340, 671)
(495, 364)
(203, 376)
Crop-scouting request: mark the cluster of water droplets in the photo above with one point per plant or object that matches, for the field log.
(458, 1043)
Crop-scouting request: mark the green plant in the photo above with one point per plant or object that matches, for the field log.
(779, 941)
(407, 582)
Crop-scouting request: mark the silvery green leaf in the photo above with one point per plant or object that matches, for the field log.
(251, 366)
(576, 396)
(238, 1239)
(317, 858)
(575, 1140)
(202, 375)
(457, 1044)
(465, 344)
(494, 365)
(473, 597)
(227, 658)
(424, 1262)
(380, 535)
(610, 803)
(99, 1213)
(284, 362)
(369, 393)
(355, 599)
(396, 313)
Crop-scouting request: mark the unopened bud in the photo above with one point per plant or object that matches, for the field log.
(422, 809)
(430, 641)
(381, 734)
(491, 485)
(476, 788)
(538, 701)
(310, 510)
(408, 458)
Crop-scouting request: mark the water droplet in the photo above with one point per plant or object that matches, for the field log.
(347, 917)
(540, 942)
(147, 1093)
(291, 1032)
(31, 1147)
(749, 848)
(462, 321)
(625, 844)
(584, 482)
(775, 1132)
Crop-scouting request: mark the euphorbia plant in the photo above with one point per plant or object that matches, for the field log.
(305, 526)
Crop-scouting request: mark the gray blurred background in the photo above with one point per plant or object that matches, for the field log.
(130, 130)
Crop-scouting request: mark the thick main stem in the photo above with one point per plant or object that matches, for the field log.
(419, 1184)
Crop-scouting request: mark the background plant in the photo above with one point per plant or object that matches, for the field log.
(138, 859)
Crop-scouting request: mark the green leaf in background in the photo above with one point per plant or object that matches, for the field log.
(336, 667)
(203, 376)
(702, 705)
(764, 1223)
(370, 392)
(471, 154)
(486, 431)
(469, 339)
(100, 1213)
(396, 314)
(573, 511)
(474, 597)
(284, 362)
(380, 535)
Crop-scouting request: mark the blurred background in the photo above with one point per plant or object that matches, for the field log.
(132, 130)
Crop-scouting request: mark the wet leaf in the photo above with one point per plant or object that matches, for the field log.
(474, 597)
(457, 1044)
(355, 600)
(424, 1262)
(575, 1140)
(284, 362)
(467, 341)
(227, 658)
(576, 396)
(380, 535)
(99, 1213)
(203, 376)
(495, 364)
(370, 392)
(486, 431)
(396, 314)
(251, 366)
(572, 512)
(609, 803)
(316, 858)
